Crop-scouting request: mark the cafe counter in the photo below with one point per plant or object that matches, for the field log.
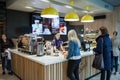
(48, 67)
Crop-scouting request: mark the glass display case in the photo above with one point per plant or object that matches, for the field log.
(90, 36)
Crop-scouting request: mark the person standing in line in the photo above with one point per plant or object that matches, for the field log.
(73, 56)
(115, 49)
(103, 46)
(6, 55)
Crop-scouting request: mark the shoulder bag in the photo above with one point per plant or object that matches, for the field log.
(98, 62)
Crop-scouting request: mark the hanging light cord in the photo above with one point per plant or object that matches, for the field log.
(71, 2)
(87, 7)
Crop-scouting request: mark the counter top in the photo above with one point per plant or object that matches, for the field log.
(47, 59)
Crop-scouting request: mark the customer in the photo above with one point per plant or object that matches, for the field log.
(115, 49)
(57, 42)
(73, 56)
(6, 55)
(104, 46)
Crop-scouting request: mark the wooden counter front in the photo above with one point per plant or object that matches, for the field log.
(27, 69)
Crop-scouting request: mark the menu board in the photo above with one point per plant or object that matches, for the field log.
(48, 26)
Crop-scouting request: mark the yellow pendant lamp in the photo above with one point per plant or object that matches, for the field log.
(49, 12)
(87, 17)
(71, 16)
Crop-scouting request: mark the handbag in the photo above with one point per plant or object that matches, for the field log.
(98, 62)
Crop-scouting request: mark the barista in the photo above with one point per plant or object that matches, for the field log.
(57, 43)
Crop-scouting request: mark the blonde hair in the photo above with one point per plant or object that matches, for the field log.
(72, 35)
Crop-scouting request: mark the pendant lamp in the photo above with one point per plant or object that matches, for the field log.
(71, 16)
(87, 17)
(49, 12)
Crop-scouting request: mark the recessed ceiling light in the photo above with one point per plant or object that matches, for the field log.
(88, 11)
(67, 6)
(45, 1)
(28, 7)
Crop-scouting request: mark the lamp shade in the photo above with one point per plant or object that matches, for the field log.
(49, 13)
(71, 16)
(87, 18)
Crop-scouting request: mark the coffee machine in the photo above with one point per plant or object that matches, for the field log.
(40, 46)
(32, 44)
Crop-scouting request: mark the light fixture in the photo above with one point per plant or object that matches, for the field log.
(28, 7)
(87, 17)
(71, 16)
(67, 6)
(49, 13)
(45, 1)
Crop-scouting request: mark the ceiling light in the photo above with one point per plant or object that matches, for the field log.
(45, 1)
(87, 18)
(49, 13)
(67, 6)
(87, 11)
(28, 7)
(71, 16)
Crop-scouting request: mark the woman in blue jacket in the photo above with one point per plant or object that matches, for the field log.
(104, 46)
(73, 56)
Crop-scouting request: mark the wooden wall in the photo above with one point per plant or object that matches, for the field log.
(108, 22)
(112, 22)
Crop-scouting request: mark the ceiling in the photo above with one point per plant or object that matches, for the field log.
(113, 2)
(95, 6)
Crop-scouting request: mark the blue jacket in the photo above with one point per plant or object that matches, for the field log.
(104, 46)
(73, 49)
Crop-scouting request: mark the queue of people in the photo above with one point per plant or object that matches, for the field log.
(110, 48)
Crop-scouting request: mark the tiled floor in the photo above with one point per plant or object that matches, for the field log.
(6, 76)
(113, 77)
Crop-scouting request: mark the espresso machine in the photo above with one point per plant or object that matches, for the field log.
(40, 46)
(32, 44)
